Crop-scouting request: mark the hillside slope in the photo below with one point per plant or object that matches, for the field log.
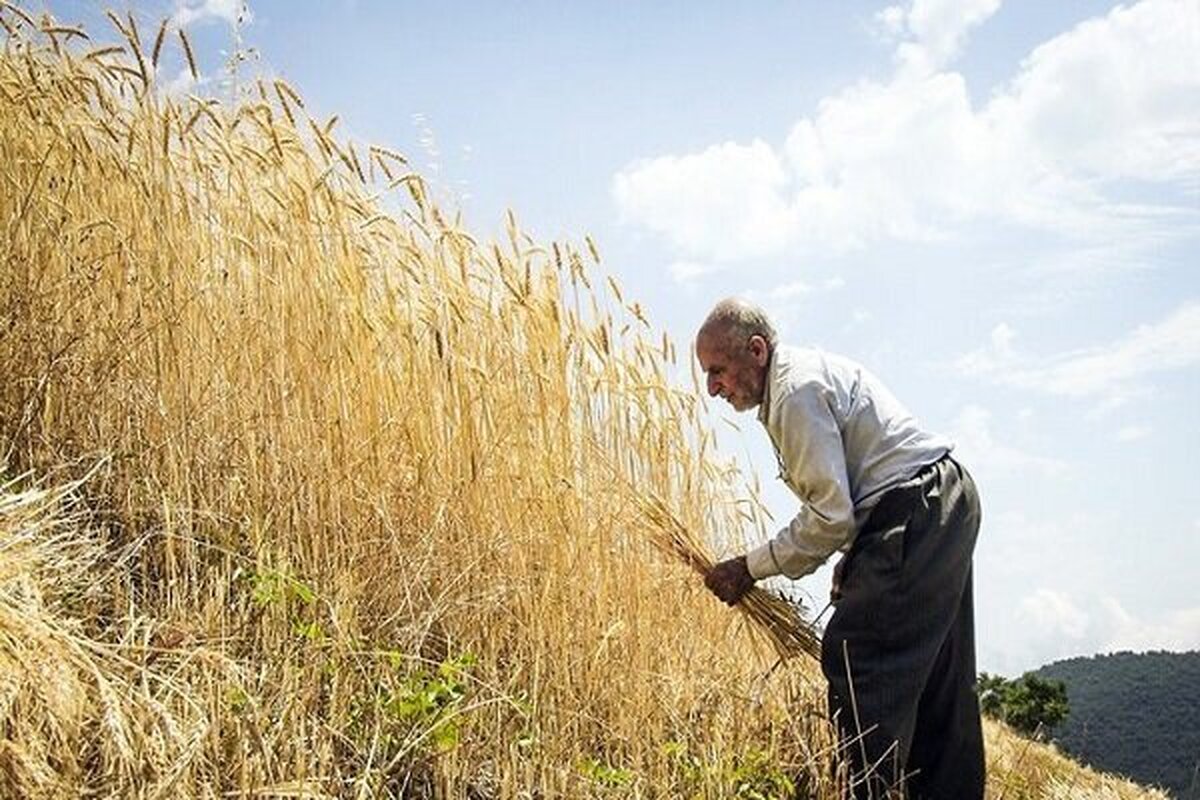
(1135, 714)
(306, 497)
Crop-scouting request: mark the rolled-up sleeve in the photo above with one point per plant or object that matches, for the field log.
(810, 445)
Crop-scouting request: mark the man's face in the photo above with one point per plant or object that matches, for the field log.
(736, 369)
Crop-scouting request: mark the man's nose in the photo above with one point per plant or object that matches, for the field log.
(712, 387)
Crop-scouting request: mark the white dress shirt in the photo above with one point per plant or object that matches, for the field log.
(842, 440)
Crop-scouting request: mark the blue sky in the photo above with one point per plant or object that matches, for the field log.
(994, 205)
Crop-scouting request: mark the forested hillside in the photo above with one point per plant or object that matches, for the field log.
(1135, 714)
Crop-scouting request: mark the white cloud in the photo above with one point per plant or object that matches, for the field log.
(791, 290)
(1020, 555)
(1054, 625)
(1002, 336)
(1170, 344)
(1116, 97)
(1113, 372)
(1020, 549)
(1144, 123)
(936, 29)
(1053, 613)
(996, 355)
(786, 302)
(188, 12)
(975, 441)
(680, 196)
(1177, 630)
(1114, 403)
(1131, 433)
(859, 317)
(1055, 577)
(689, 271)
(182, 83)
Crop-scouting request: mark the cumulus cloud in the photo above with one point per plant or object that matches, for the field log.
(1112, 372)
(997, 354)
(1177, 630)
(787, 302)
(689, 271)
(1019, 548)
(681, 196)
(1054, 613)
(188, 12)
(1049, 575)
(1131, 433)
(1058, 626)
(1116, 97)
(979, 446)
(935, 30)
(791, 290)
(181, 84)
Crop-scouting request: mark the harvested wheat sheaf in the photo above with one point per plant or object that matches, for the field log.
(779, 619)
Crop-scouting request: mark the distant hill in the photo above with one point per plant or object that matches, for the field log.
(1135, 714)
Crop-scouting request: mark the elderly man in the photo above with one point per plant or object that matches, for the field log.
(899, 650)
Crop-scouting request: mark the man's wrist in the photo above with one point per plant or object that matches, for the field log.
(761, 563)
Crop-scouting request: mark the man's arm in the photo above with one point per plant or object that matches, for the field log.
(811, 448)
(812, 451)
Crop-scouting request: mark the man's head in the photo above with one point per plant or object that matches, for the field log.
(734, 346)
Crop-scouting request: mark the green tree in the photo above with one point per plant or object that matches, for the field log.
(1030, 704)
(1035, 703)
(991, 690)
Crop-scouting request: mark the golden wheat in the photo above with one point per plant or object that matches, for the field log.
(340, 516)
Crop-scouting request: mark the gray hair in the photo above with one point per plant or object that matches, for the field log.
(735, 320)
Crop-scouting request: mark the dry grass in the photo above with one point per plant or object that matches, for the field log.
(1019, 769)
(364, 511)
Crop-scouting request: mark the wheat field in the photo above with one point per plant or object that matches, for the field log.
(309, 492)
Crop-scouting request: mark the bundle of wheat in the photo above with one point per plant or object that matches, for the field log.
(779, 619)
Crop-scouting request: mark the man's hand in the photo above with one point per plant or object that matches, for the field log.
(730, 580)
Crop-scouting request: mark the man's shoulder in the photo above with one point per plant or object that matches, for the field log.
(804, 364)
(799, 374)
(807, 366)
(797, 361)
(809, 375)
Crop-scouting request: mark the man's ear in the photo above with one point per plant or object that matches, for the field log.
(760, 350)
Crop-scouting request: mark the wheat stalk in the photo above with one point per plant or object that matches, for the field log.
(780, 620)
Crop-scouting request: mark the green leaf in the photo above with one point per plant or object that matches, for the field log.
(309, 630)
(445, 737)
(302, 592)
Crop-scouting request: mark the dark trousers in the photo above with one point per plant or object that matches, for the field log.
(899, 651)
